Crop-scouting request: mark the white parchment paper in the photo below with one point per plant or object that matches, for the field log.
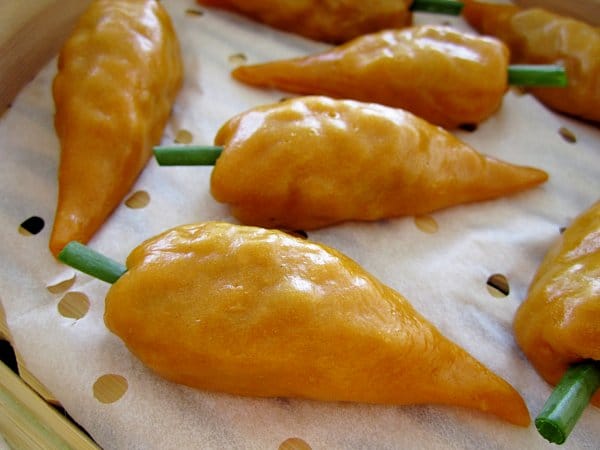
(442, 273)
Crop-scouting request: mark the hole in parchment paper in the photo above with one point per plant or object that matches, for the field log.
(426, 224)
(497, 285)
(8, 356)
(74, 305)
(519, 91)
(294, 443)
(194, 12)
(567, 135)
(31, 226)
(110, 387)
(184, 137)
(138, 200)
(470, 127)
(297, 233)
(237, 59)
(61, 286)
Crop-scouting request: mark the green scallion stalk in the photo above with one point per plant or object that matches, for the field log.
(187, 155)
(542, 75)
(450, 7)
(568, 400)
(89, 261)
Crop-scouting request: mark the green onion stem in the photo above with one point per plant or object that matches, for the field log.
(568, 400)
(91, 262)
(187, 155)
(543, 75)
(450, 7)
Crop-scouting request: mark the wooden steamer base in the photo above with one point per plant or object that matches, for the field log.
(31, 32)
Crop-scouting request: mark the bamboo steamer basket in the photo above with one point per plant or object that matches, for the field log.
(31, 33)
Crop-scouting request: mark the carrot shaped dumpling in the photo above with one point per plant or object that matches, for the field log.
(333, 21)
(558, 324)
(257, 312)
(118, 75)
(310, 162)
(442, 75)
(538, 36)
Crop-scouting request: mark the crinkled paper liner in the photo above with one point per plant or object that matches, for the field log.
(441, 263)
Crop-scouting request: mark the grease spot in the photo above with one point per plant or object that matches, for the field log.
(294, 443)
(497, 285)
(32, 225)
(426, 224)
(110, 387)
(138, 199)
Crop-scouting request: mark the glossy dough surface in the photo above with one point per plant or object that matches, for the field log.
(559, 322)
(333, 21)
(442, 75)
(311, 162)
(257, 312)
(538, 36)
(118, 75)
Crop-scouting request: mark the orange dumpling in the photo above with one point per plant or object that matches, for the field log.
(442, 75)
(537, 36)
(257, 312)
(558, 324)
(310, 162)
(333, 21)
(118, 75)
